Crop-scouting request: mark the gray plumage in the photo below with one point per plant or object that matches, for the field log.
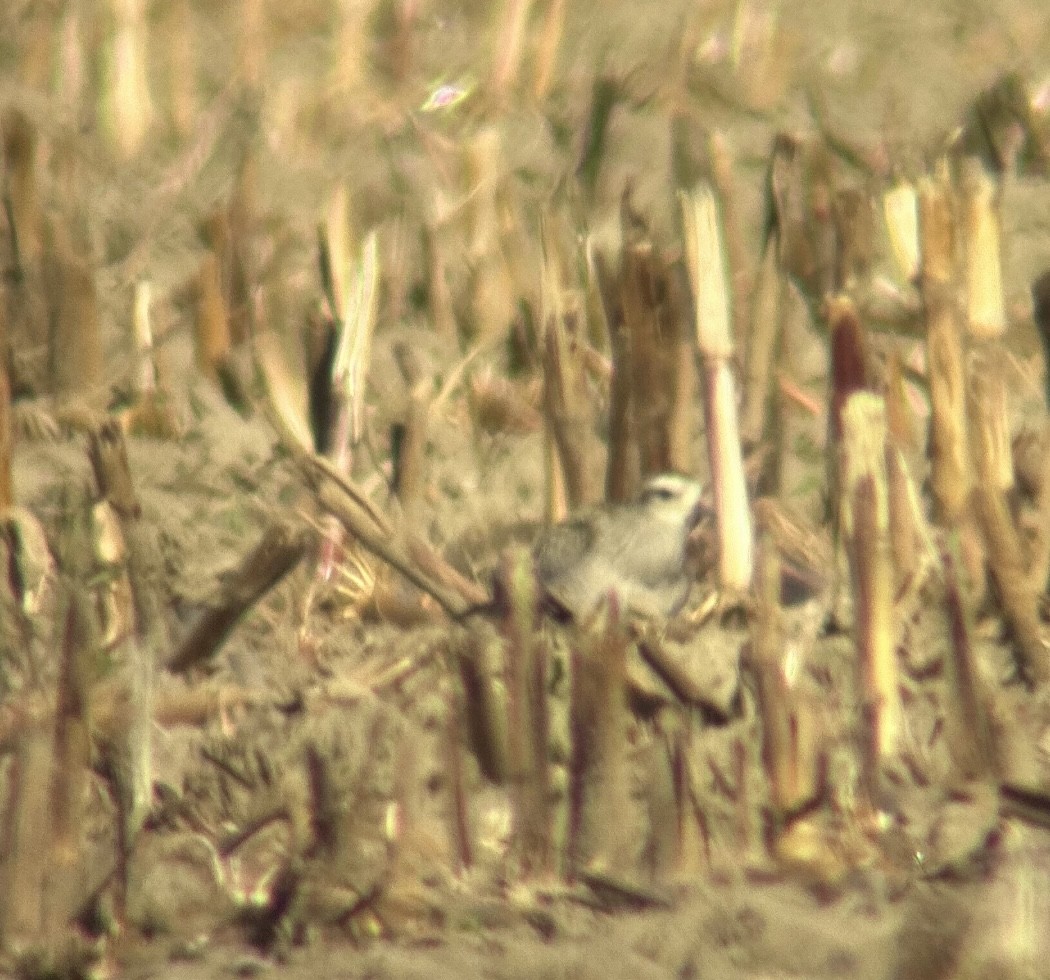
(636, 550)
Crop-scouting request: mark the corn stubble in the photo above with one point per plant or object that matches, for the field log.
(629, 339)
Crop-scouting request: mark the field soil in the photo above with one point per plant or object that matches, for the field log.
(318, 807)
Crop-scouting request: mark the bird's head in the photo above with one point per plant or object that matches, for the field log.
(673, 499)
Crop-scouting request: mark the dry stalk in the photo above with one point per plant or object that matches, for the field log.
(622, 472)
(239, 271)
(408, 555)
(971, 737)
(6, 434)
(865, 528)
(439, 292)
(737, 253)
(176, 32)
(776, 703)
(72, 765)
(606, 95)
(566, 411)
(140, 636)
(512, 20)
(528, 724)
(1019, 600)
(75, 344)
(251, 43)
(286, 394)
(550, 38)
(1041, 314)
(598, 783)
(353, 286)
(127, 106)
(351, 47)
(986, 311)
(908, 529)
(763, 339)
(482, 664)
(461, 830)
(900, 208)
(35, 54)
(853, 219)
(26, 835)
(656, 338)
(21, 192)
(703, 249)
(211, 322)
(279, 551)
(409, 442)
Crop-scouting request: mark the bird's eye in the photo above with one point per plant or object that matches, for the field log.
(661, 493)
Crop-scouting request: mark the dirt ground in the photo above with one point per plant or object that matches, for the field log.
(308, 778)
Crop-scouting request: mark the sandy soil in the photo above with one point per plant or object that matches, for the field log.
(344, 722)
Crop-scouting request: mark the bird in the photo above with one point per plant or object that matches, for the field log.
(636, 551)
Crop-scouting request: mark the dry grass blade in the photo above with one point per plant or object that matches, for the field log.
(408, 555)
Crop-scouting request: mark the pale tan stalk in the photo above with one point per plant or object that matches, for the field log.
(566, 412)
(761, 347)
(986, 311)
(177, 29)
(1018, 598)
(128, 105)
(865, 528)
(512, 24)
(900, 207)
(351, 46)
(951, 475)
(740, 275)
(142, 328)
(704, 257)
(550, 39)
(251, 42)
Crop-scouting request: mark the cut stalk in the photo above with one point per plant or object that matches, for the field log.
(900, 207)
(984, 280)
(865, 527)
(1018, 599)
(128, 108)
(528, 717)
(598, 791)
(704, 258)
